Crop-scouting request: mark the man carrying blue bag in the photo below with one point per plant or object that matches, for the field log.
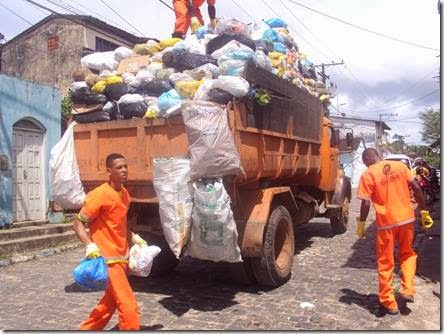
(105, 211)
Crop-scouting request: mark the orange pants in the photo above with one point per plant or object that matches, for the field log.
(385, 245)
(183, 18)
(118, 295)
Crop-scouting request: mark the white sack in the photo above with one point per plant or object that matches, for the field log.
(171, 181)
(66, 187)
(100, 61)
(213, 233)
(234, 85)
(123, 52)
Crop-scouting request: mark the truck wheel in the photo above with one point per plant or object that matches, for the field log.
(166, 261)
(273, 268)
(242, 272)
(339, 217)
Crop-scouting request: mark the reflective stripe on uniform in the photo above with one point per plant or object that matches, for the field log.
(395, 225)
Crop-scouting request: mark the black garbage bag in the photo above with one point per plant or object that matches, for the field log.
(263, 46)
(90, 117)
(115, 91)
(219, 96)
(154, 87)
(130, 110)
(84, 96)
(183, 60)
(221, 40)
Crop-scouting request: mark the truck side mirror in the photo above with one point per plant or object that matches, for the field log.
(335, 138)
(349, 139)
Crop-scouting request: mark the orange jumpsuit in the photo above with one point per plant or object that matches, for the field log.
(106, 210)
(183, 17)
(385, 183)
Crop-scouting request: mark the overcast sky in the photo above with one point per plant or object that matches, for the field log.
(380, 75)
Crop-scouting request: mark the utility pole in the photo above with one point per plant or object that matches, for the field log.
(2, 37)
(381, 131)
(323, 66)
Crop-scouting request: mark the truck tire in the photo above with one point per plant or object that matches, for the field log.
(166, 261)
(339, 217)
(242, 272)
(274, 267)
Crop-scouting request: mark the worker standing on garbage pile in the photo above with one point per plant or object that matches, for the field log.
(105, 211)
(386, 184)
(188, 14)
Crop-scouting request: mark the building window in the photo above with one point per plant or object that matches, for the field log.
(103, 45)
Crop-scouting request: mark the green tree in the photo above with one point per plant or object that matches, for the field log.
(66, 106)
(397, 145)
(431, 129)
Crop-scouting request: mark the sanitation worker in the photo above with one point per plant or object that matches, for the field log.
(105, 211)
(188, 14)
(386, 184)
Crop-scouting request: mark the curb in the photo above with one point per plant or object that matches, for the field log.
(18, 258)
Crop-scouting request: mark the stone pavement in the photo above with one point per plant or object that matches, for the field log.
(335, 273)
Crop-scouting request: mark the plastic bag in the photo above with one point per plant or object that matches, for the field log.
(211, 144)
(116, 91)
(232, 67)
(258, 30)
(141, 259)
(190, 44)
(208, 71)
(168, 42)
(236, 86)
(187, 89)
(168, 99)
(143, 77)
(231, 46)
(91, 274)
(100, 61)
(66, 187)
(219, 96)
(202, 91)
(132, 105)
(263, 61)
(219, 41)
(158, 87)
(231, 26)
(180, 76)
(276, 23)
(91, 117)
(113, 79)
(171, 181)
(122, 52)
(272, 36)
(149, 48)
(81, 94)
(164, 73)
(185, 60)
(214, 233)
(279, 47)
(99, 87)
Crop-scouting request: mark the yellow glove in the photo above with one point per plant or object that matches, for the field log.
(360, 228)
(426, 220)
(195, 24)
(92, 251)
(136, 239)
(213, 23)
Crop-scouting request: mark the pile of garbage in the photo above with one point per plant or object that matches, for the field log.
(154, 79)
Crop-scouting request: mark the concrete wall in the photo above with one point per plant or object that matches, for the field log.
(23, 99)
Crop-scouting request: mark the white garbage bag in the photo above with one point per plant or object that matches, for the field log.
(213, 233)
(171, 180)
(234, 85)
(100, 61)
(123, 52)
(66, 187)
(141, 259)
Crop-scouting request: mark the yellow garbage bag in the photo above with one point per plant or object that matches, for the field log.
(187, 88)
(146, 49)
(168, 42)
(151, 112)
(113, 79)
(99, 87)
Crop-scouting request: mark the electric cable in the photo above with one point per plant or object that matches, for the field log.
(362, 28)
(132, 26)
(11, 11)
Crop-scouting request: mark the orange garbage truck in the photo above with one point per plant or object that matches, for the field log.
(288, 149)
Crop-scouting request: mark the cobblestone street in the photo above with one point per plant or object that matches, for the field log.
(336, 274)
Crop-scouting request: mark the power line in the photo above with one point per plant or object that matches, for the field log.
(364, 29)
(238, 6)
(395, 106)
(98, 15)
(11, 11)
(167, 5)
(122, 18)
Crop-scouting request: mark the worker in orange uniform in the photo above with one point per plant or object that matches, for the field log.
(386, 184)
(188, 14)
(105, 211)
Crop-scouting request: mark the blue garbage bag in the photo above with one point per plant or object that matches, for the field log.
(169, 99)
(279, 47)
(271, 36)
(91, 274)
(276, 23)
